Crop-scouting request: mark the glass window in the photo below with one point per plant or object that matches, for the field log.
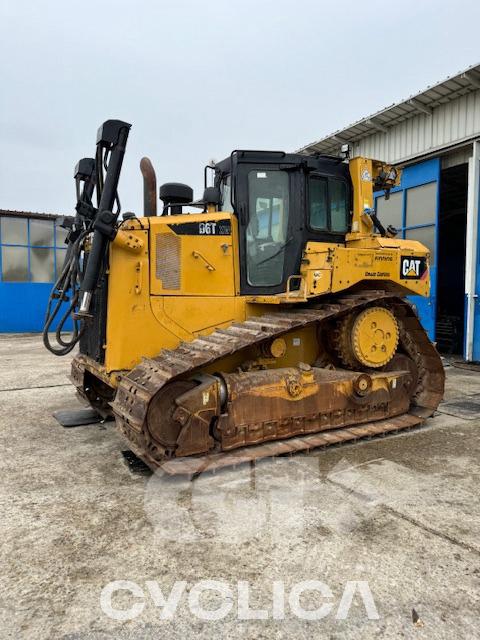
(421, 204)
(390, 211)
(41, 265)
(14, 264)
(41, 233)
(14, 230)
(339, 208)
(266, 234)
(264, 217)
(60, 257)
(318, 204)
(320, 191)
(60, 235)
(226, 191)
(425, 235)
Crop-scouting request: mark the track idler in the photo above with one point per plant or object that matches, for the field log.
(226, 411)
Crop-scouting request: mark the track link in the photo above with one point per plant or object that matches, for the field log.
(138, 387)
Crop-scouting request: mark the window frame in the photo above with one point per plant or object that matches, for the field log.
(404, 227)
(54, 247)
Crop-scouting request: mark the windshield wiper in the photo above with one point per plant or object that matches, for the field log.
(279, 250)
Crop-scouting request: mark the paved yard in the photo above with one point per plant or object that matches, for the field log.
(394, 521)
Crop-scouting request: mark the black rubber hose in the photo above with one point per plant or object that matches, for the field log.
(69, 281)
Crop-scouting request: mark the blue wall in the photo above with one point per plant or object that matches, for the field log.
(23, 306)
(23, 300)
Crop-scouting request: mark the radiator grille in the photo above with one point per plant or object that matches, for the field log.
(167, 260)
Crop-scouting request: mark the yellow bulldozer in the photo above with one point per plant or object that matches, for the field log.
(271, 319)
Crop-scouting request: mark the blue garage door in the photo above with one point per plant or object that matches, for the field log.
(31, 256)
(413, 209)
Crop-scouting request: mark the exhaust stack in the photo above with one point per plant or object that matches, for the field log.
(149, 188)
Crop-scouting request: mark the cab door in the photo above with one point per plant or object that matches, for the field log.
(269, 205)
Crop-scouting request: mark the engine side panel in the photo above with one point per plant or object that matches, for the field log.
(194, 255)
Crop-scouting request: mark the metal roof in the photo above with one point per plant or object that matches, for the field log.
(9, 213)
(424, 102)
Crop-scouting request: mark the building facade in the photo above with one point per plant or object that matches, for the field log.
(32, 249)
(435, 137)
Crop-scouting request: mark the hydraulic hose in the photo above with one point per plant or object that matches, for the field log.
(68, 283)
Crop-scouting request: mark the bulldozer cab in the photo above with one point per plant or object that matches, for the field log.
(282, 201)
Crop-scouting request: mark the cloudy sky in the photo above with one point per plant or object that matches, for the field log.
(198, 79)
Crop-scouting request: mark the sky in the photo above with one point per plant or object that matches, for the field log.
(199, 79)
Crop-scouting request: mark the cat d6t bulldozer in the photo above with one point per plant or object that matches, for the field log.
(267, 317)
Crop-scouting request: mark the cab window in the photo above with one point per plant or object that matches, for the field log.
(226, 191)
(338, 206)
(318, 203)
(266, 234)
(328, 206)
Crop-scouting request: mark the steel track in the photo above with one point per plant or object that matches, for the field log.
(149, 377)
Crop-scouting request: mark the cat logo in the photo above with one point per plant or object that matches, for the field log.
(412, 267)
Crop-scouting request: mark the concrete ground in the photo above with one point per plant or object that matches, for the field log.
(400, 514)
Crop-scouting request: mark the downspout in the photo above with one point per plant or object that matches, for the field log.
(473, 200)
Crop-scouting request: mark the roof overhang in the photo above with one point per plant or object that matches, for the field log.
(9, 213)
(423, 103)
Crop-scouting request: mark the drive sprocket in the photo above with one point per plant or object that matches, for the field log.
(367, 339)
